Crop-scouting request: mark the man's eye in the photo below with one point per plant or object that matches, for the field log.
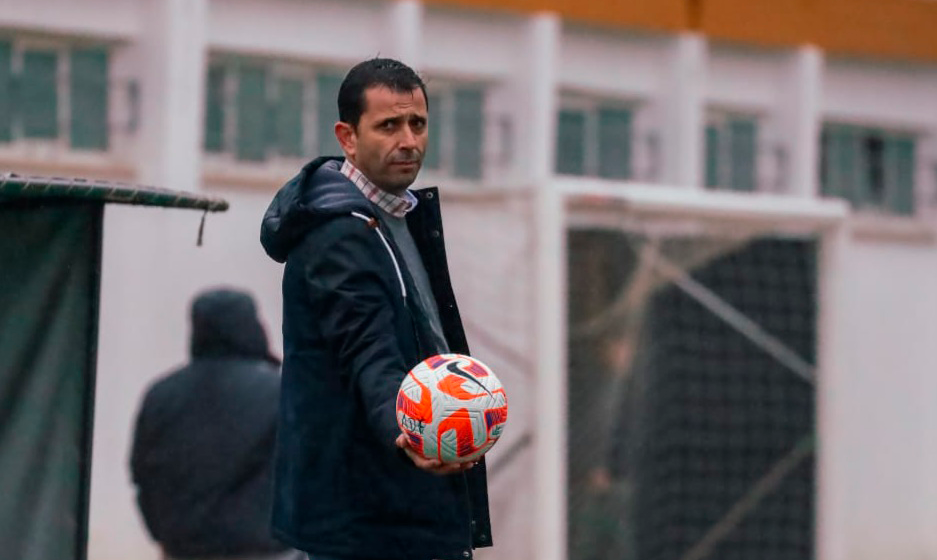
(419, 125)
(389, 125)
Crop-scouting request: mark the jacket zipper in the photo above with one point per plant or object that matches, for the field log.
(372, 222)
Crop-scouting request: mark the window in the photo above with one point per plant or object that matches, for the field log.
(571, 143)
(594, 139)
(870, 167)
(327, 112)
(215, 109)
(6, 92)
(88, 85)
(456, 131)
(38, 99)
(731, 143)
(258, 110)
(252, 113)
(54, 93)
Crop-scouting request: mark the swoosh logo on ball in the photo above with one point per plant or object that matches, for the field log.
(453, 367)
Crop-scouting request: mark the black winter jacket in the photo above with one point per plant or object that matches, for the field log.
(203, 446)
(342, 487)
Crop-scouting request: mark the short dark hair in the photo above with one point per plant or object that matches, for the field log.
(386, 72)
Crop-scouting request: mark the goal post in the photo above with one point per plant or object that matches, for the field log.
(587, 299)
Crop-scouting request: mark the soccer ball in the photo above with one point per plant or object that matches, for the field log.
(452, 408)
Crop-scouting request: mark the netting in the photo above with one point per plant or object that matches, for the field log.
(691, 344)
(691, 399)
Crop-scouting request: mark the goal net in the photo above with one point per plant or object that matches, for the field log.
(690, 364)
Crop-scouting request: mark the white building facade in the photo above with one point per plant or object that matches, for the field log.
(230, 97)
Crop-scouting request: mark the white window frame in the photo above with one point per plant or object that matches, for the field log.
(720, 117)
(61, 49)
(54, 153)
(591, 105)
(276, 69)
(919, 139)
(441, 93)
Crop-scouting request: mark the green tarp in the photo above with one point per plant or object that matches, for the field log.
(50, 264)
(49, 276)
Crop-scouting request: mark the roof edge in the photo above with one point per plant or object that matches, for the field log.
(19, 187)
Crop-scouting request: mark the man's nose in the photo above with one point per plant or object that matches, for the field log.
(407, 138)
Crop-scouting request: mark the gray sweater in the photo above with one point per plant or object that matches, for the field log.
(424, 293)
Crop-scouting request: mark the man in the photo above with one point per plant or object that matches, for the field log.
(366, 296)
(203, 447)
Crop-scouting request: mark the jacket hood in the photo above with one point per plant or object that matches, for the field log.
(225, 324)
(318, 192)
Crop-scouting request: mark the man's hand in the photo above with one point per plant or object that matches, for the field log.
(434, 466)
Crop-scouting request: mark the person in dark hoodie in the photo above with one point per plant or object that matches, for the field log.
(366, 297)
(203, 446)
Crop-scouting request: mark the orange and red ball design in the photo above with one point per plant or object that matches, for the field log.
(452, 408)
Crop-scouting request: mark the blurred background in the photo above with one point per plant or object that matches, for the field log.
(695, 238)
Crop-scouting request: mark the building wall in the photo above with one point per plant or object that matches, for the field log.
(451, 46)
(122, 19)
(151, 270)
(877, 414)
(895, 94)
(302, 30)
(878, 425)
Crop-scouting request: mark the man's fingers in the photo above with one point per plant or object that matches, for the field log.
(434, 466)
(453, 468)
(438, 467)
(421, 462)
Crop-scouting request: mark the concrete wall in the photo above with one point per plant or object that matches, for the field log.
(878, 421)
(105, 18)
(877, 411)
(296, 29)
(152, 268)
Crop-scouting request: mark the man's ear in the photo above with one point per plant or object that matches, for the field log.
(347, 138)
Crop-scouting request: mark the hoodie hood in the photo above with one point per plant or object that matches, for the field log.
(320, 191)
(225, 324)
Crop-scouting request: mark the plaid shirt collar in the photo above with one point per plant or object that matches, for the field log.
(396, 206)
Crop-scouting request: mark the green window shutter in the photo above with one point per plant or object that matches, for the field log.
(39, 98)
(215, 109)
(743, 137)
(89, 99)
(823, 173)
(830, 144)
(850, 165)
(571, 143)
(252, 128)
(869, 187)
(615, 143)
(6, 92)
(901, 193)
(842, 155)
(327, 86)
(712, 156)
(469, 126)
(289, 117)
(433, 156)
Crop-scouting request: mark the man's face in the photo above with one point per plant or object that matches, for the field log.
(389, 142)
